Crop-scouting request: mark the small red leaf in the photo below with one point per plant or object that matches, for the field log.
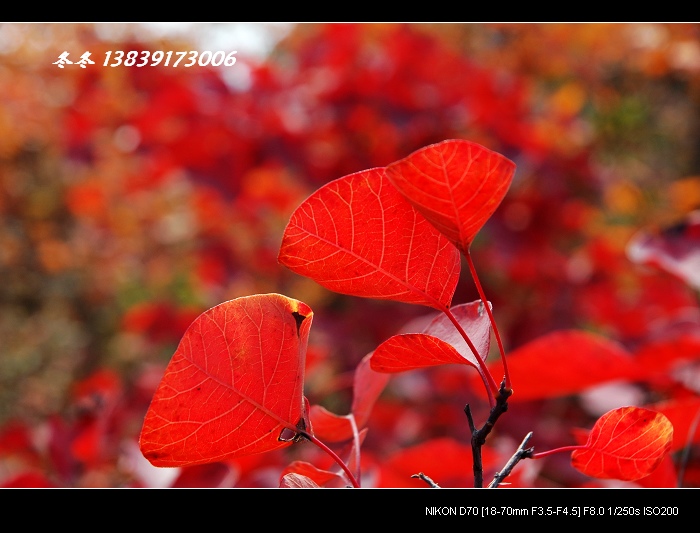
(626, 443)
(329, 426)
(297, 481)
(301, 474)
(234, 385)
(439, 344)
(358, 236)
(410, 351)
(456, 184)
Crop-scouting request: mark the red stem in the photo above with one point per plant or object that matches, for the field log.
(357, 444)
(334, 456)
(475, 277)
(556, 450)
(485, 371)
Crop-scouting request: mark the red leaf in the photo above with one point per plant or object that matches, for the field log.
(626, 443)
(234, 385)
(301, 474)
(566, 362)
(297, 481)
(358, 236)
(439, 344)
(684, 415)
(414, 350)
(457, 185)
(476, 324)
(329, 426)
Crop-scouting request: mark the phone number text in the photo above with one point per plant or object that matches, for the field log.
(192, 58)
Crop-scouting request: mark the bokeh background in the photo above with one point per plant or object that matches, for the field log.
(132, 199)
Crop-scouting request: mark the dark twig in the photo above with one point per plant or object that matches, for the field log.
(425, 478)
(521, 453)
(479, 436)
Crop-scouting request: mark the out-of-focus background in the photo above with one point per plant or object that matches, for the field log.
(134, 198)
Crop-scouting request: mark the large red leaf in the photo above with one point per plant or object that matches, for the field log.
(566, 362)
(456, 184)
(234, 385)
(358, 236)
(438, 344)
(627, 443)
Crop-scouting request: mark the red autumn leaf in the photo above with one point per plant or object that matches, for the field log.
(301, 474)
(675, 249)
(367, 386)
(627, 443)
(456, 184)
(234, 385)
(358, 236)
(329, 426)
(685, 416)
(297, 481)
(410, 351)
(664, 476)
(566, 362)
(439, 344)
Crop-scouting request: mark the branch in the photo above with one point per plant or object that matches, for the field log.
(479, 436)
(521, 453)
(425, 478)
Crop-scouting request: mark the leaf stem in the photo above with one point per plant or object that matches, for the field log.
(356, 447)
(333, 455)
(482, 365)
(475, 277)
(557, 450)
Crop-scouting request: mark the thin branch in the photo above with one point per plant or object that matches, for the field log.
(425, 478)
(521, 453)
